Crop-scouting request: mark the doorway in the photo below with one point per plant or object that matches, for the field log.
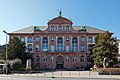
(60, 62)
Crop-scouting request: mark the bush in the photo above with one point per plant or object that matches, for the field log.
(17, 65)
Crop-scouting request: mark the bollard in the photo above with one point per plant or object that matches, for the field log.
(110, 74)
(61, 73)
(79, 73)
(89, 73)
(70, 73)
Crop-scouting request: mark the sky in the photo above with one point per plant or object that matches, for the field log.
(18, 14)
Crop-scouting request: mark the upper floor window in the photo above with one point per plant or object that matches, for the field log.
(45, 44)
(82, 48)
(52, 38)
(37, 59)
(90, 39)
(52, 58)
(74, 44)
(59, 28)
(89, 58)
(82, 59)
(45, 59)
(37, 48)
(52, 48)
(74, 59)
(29, 40)
(82, 39)
(22, 39)
(30, 47)
(52, 28)
(67, 28)
(59, 44)
(67, 58)
(67, 48)
(89, 47)
(67, 38)
(37, 38)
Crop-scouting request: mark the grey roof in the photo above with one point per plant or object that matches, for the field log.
(42, 28)
(89, 29)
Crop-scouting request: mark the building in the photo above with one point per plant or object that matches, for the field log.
(60, 44)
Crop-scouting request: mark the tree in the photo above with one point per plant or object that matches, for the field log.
(17, 49)
(105, 46)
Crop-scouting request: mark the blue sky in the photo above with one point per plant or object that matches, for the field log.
(18, 14)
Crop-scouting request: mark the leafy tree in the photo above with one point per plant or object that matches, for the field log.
(17, 49)
(105, 46)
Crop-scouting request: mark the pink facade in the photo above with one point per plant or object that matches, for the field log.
(59, 45)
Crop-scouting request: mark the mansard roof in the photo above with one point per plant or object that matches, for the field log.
(43, 28)
(60, 20)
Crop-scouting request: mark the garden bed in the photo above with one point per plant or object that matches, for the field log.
(109, 71)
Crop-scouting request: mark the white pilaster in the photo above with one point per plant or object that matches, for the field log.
(63, 42)
(78, 44)
(41, 43)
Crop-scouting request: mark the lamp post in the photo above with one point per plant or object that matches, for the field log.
(6, 49)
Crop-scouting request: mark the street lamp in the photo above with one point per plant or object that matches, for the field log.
(6, 49)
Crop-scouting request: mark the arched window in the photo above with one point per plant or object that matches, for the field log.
(45, 59)
(60, 45)
(67, 58)
(37, 48)
(37, 59)
(45, 44)
(74, 59)
(74, 44)
(82, 59)
(67, 28)
(52, 58)
(67, 48)
(30, 47)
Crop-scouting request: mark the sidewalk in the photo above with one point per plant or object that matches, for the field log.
(74, 74)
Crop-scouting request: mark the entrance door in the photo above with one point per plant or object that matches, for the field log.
(60, 62)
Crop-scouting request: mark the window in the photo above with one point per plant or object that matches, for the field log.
(52, 28)
(52, 38)
(67, 38)
(89, 47)
(67, 48)
(82, 48)
(52, 58)
(45, 44)
(30, 47)
(89, 58)
(37, 38)
(67, 28)
(37, 59)
(52, 48)
(59, 28)
(74, 59)
(37, 48)
(67, 58)
(90, 39)
(29, 40)
(45, 59)
(22, 39)
(82, 39)
(82, 59)
(60, 44)
(74, 44)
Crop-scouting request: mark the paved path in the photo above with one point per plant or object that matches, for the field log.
(65, 74)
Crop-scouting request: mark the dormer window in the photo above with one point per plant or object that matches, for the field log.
(67, 28)
(59, 28)
(52, 28)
